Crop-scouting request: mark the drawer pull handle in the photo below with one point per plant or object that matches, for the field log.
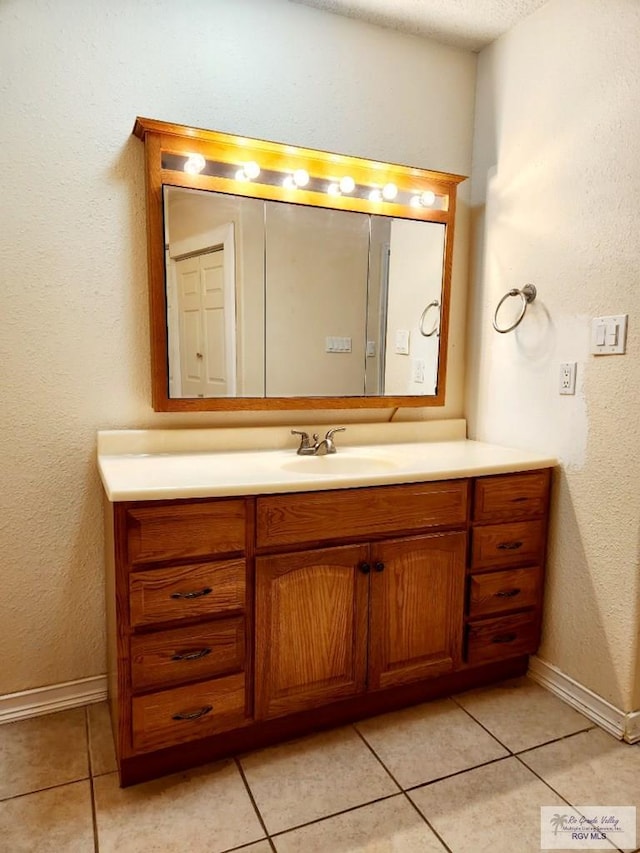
(509, 546)
(201, 653)
(504, 638)
(194, 715)
(520, 499)
(379, 567)
(365, 568)
(508, 593)
(197, 594)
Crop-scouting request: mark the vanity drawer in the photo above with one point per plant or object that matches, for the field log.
(508, 636)
(186, 592)
(184, 654)
(496, 592)
(184, 529)
(507, 544)
(354, 513)
(186, 713)
(511, 496)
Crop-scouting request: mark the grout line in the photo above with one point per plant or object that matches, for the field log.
(482, 726)
(458, 773)
(94, 818)
(336, 814)
(253, 803)
(554, 740)
(404, 793)
(46, 788)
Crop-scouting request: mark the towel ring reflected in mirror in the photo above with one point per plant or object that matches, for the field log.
(434, 304)
(527, 294)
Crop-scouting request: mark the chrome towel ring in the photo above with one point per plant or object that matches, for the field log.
(527, 294)
(434, 304)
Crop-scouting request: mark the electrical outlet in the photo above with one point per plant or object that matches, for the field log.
(419, 367)
(568, 377)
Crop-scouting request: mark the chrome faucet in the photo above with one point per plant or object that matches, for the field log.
(318, 448)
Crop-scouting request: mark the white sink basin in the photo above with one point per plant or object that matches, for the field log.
(336, 464)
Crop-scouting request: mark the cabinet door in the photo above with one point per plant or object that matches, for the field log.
(417, 606)
(311, 628)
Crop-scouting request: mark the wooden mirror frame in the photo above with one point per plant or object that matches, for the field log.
(162, 138)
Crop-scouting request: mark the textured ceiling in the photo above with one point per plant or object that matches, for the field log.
(471, 24)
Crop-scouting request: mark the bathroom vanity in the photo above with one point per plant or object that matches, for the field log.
(253, 597)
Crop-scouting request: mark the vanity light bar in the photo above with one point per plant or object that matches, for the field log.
(251, 172)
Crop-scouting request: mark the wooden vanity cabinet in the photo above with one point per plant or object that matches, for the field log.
(236, 622)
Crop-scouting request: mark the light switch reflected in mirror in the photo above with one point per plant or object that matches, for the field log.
(272, 299)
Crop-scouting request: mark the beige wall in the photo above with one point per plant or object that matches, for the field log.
(556, 183)
(74, 343)
(316, 286)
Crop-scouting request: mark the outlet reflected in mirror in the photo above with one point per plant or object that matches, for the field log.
(273, 299)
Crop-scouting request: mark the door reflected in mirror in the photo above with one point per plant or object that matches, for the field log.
(272, 299)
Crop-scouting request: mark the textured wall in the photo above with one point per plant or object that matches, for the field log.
(74, 340)
(556, 182)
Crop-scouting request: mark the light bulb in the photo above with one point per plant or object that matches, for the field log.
(415, 201)
(427, 198)
(194, 164)
(288, 183)
(347, 184)
(251, 170)
(389, 191)
(333, 189)
(241, 175)
(301, 177)
(375, 195)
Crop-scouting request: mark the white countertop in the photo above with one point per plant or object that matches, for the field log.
(164, 464)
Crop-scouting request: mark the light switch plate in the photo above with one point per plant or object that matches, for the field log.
(609, 335)
(402, 341)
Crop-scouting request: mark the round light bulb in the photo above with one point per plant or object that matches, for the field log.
(194, 164)
(375, 195)
(288, 183)
(241, 175)
(251, 170)
(415, 201)
(333, 189)
(301, 177)
(389, 191)
(347, 184)
(427, 198)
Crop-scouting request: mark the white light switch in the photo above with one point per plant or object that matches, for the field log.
(371, 349)
(609, 335)
(402, 341)
(337, 344)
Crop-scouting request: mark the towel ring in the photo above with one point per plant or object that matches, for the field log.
(434, 304)
(527, 294)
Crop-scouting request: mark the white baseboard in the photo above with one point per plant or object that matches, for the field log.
(56, 697)
(623, 725)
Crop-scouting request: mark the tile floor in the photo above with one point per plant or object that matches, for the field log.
(465, 774)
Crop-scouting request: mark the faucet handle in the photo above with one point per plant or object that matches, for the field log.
(304, 437)
(331, 432)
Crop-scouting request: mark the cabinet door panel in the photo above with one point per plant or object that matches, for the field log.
(417, 608)
(311, 626)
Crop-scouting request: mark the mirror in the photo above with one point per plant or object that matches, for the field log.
(249, 282)
(287, 278)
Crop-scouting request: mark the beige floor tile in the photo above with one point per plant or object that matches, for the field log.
(521, 714)
(101, 746)
(390, 826)
(429, 741)
(43, 752)
(592, 768)
(260, 847)
(314, 777)
(492, 809)
(206, 810)
(51, 821)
